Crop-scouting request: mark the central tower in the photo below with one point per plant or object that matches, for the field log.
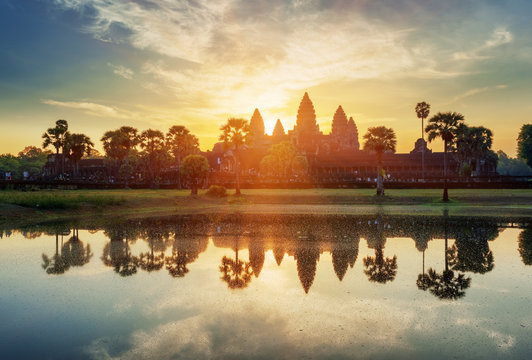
(306, 130)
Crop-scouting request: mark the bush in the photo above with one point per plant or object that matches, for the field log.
(217, 191)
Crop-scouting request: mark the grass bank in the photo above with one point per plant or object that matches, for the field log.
(16, 207)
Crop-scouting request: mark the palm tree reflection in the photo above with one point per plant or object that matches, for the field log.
(117, 253)
(57, 264)
(525, 246)
(157, 240)
(471, 251)
(378, 268)
(73, 251)
(445, 286)
(184, 252)
(236, 273)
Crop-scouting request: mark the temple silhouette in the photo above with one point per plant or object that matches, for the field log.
(334, 157)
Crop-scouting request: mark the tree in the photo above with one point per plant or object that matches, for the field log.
(422, 112)
(380, 139)
(76, 146)
(472, 144)
(444, 126)
(524, 144)
(154, 154)
(180, 142)
(269, 165)
(193, 169)
(512, 166)
(30, 160)
(284, 153)
(235, 133)
(299, 165)
(119, 144)
(56, 137)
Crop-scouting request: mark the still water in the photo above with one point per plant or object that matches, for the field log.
(283, 287)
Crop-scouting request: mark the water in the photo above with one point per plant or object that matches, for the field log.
(284, 287)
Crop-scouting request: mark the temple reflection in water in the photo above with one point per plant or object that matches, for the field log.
(289, 286)
(173, 244)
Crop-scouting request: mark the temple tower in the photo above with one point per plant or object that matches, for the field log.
(256, 125)
(306, 130)
(278, 134)
(339, 128)
(352, 134)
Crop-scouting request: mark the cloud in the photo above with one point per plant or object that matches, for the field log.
(498, 37)
(234, 50)
(90, 108)
(121, 71)
(475, 91)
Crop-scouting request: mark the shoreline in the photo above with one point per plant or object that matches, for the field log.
(94, 205)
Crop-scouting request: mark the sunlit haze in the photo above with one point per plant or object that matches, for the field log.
(103, 64)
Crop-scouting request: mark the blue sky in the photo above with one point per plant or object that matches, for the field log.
(102, 64)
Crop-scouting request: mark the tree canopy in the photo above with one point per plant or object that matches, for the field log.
(524, 143)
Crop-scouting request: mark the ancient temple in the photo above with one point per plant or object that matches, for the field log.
(331, 156)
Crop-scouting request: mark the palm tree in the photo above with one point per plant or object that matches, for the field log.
(193, 169)
(422, 111)
(380, 139)
(482, 139)
(444, 126)
(235, 133)
(77, 145)
(180, 142)
(56, 137)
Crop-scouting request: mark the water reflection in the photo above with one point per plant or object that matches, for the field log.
(184, 252)
(525, 246)
(117, 252)
(293, 286)
(72, 253)
(236, 273)
(445, 285)
(378, 268)
(175, 243)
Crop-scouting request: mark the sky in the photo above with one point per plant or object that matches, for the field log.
(102, 64)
